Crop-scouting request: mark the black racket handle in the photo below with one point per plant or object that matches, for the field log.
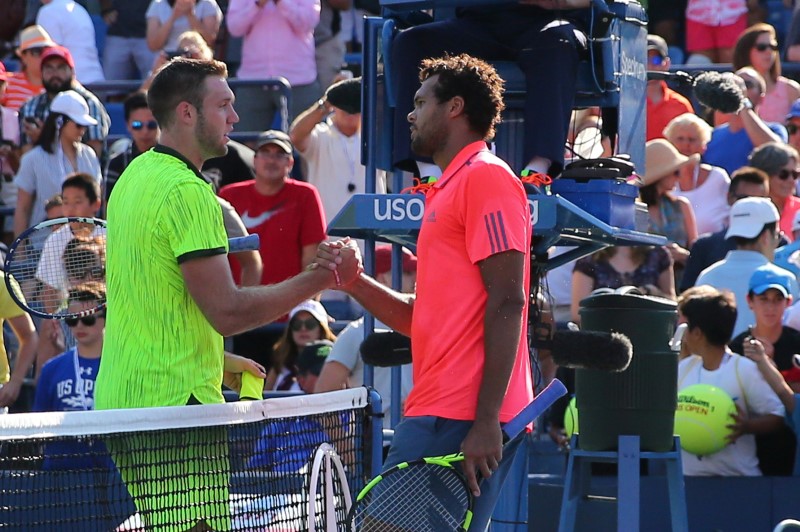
(243, 243)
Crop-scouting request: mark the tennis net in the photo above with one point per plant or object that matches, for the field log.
(239, 466)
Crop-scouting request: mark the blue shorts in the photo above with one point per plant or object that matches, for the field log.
(423, 436)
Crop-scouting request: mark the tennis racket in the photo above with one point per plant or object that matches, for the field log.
(431, 494)
(51, 257)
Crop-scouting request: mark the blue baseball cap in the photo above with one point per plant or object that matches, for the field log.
(771, 276)
(794, 111)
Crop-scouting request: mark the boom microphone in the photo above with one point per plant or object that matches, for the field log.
(597, 350)
(386, 349)
(718, 92)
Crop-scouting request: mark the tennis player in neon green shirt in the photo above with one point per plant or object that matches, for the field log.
(171, 296)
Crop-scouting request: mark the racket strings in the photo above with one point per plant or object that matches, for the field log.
(419, 498)
(45, 276)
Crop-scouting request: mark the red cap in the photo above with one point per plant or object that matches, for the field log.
(383, 260)
(3, 74)
(58, 51)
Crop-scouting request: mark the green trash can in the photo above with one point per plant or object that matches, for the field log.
(642, 399)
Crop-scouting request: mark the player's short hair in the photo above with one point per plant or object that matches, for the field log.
(181, 80)
(474, 80)
(84, 182)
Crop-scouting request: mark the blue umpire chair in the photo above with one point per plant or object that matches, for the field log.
(612, 77)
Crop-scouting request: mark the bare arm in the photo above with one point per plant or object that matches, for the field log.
(756, 129)
(22, 213)
(232, 310)
(251, 267)
(28, 341)
(158, 33)
(391, 307)
(666, 283)
(582, 286)
(502, 276)
(304, 124)
(332, 377)
(754, 350)
(97, 146)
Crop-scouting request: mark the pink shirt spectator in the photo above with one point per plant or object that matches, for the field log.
(715, 12)
(775, 105)
(278, 39)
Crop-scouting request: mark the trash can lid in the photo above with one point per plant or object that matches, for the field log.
(627, 298)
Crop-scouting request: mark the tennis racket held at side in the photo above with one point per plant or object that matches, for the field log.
(431, 494)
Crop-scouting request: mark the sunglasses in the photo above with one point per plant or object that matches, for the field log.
(785, 174)
(655, 60)
(86, 320)
(763, 47)
(792, 128)
(136, 125)
(36, 52)
(95, 272)
(309, 324)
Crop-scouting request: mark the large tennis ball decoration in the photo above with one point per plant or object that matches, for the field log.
(701, 418)
(571, 418)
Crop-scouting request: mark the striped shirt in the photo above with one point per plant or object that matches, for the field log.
(19, 90)
(39, 107)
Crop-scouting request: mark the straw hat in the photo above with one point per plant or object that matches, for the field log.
(34, 37)
(662, 159)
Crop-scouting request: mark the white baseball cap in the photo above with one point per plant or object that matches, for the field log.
(749, 216)
(74, 106)
(314, 308)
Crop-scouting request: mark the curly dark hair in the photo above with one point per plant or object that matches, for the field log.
(476, 81)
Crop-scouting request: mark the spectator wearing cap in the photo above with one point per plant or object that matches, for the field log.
(732, 141)
(9, 134)
(308, 322)
(754, 228)
(670, 215)
(27, 83)
(663, 103)
(328, 136)
(793, 125)
(709, 248)
(58, 153)
(286, 214)
(309, 363)
(780, 162)
(344, 367)
(769, 297)
(58, 75)
(70, 25)
(788, 256)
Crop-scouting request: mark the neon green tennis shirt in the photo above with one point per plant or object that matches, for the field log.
(159, 349)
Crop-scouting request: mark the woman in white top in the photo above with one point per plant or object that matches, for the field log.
(167, 19)
(58, 153)
(705, 186)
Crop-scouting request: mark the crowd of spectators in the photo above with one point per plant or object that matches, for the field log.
(722, 188)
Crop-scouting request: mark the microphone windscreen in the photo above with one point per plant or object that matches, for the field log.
(597, 350)
(718, 92)
(386, 349)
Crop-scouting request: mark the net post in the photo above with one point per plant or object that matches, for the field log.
(376, 427)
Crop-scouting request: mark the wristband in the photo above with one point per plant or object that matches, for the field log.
(747, 104)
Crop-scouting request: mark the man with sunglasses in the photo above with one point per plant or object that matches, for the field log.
(143, 129)
(793, 125)
(27, 83)
(663, 103)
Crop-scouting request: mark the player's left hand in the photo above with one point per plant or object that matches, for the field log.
(343, 257)
(235, 365)
(483, 450)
